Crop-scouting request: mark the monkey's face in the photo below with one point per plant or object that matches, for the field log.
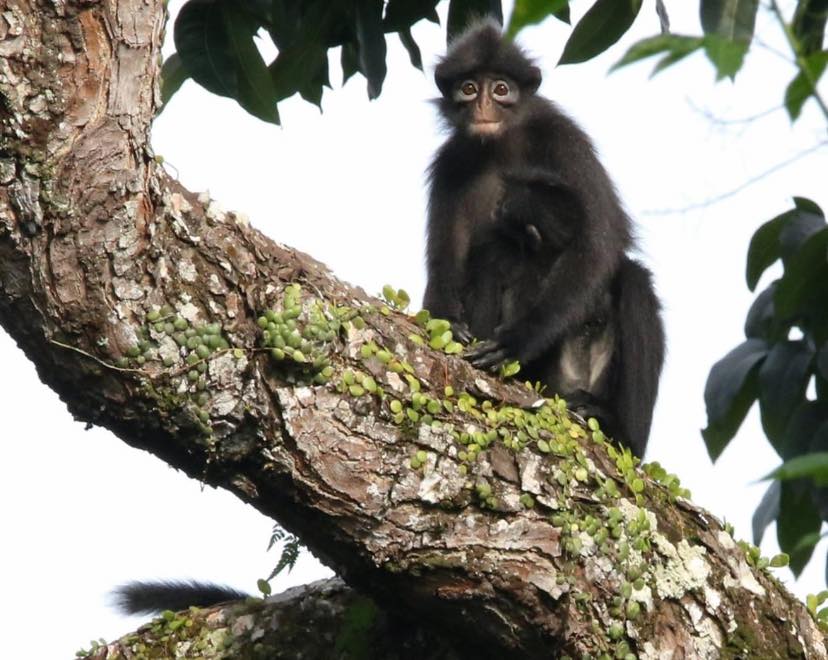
(484, 105)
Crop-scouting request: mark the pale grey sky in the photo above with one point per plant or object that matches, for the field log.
(82, 512)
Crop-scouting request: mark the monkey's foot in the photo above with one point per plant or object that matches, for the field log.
(488, 354)
(586, 405)
(460, 331)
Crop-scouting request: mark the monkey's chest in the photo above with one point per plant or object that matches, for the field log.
(476, 205)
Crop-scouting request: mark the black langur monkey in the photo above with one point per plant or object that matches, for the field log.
(527, 243)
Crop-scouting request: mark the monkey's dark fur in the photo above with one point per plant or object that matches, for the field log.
(175, 595)
(527, 243)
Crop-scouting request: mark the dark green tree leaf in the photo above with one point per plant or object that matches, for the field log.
(462, 13)
(805, 221)
(731, 389)
(808, 466)
(732, 19)
(761, 317)
(809, 25)
(728, 27)
(286, 23)
(215, 41)
(802, 290)
(764, 249)
(260, 10)
(402, 14)
(301, 68)
(766, 512)
(599, 29)
(173, 75)
(256, 92)
(350, 61)
(804, 85)
(808, 205)
(371, 40)
(532, 12)
(807, 430)
(822, 360)
(314, 84)
(204, 47)
(782, 237)
(798, 520)
(726, 55)
(676, 46)
(783, 378)
(412, 48)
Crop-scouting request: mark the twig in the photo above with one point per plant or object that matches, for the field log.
(738, 189)
(713, 119)
(800, 60)
(92, 357)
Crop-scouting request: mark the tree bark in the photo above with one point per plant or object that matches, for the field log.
(456, 501)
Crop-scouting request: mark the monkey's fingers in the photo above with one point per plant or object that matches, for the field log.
(460, 331)
(535, 238)
(487, 355)
(481, 348)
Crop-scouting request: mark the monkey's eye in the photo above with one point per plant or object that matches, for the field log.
(503, 92)
(466, 91)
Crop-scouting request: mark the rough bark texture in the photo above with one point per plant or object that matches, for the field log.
(502, 525)
(322, 620)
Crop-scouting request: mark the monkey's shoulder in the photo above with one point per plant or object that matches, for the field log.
(551, 137)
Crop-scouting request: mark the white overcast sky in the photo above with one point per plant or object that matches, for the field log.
(80, 511)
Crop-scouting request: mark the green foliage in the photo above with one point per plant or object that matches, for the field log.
(813, 602)
(299, 337)
(216, 46)
(603, 24)
(355, 638)
(728, 32)
(532, 12)
(804, 85)
(214, 39)
(396, 298)
(732, 19)
(808, 25)
(775, 366)
(463, 12)
(173, 75)
(811, 466)
(291, 549)
(675, 47)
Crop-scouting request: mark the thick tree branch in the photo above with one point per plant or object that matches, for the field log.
(144, 307)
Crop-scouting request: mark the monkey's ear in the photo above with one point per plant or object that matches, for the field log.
(533, 79)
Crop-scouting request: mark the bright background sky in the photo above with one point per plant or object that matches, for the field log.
(81, 512)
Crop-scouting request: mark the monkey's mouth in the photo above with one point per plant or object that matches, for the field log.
(484, 127)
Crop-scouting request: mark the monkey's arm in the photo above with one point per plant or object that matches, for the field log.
(551, 295)
(442, 294)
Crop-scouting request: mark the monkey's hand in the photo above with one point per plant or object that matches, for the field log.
(489, 355)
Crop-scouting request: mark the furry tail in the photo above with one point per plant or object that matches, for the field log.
(175, 595)
(641, 354)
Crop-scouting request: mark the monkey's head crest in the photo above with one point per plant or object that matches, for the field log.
(483, 48)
